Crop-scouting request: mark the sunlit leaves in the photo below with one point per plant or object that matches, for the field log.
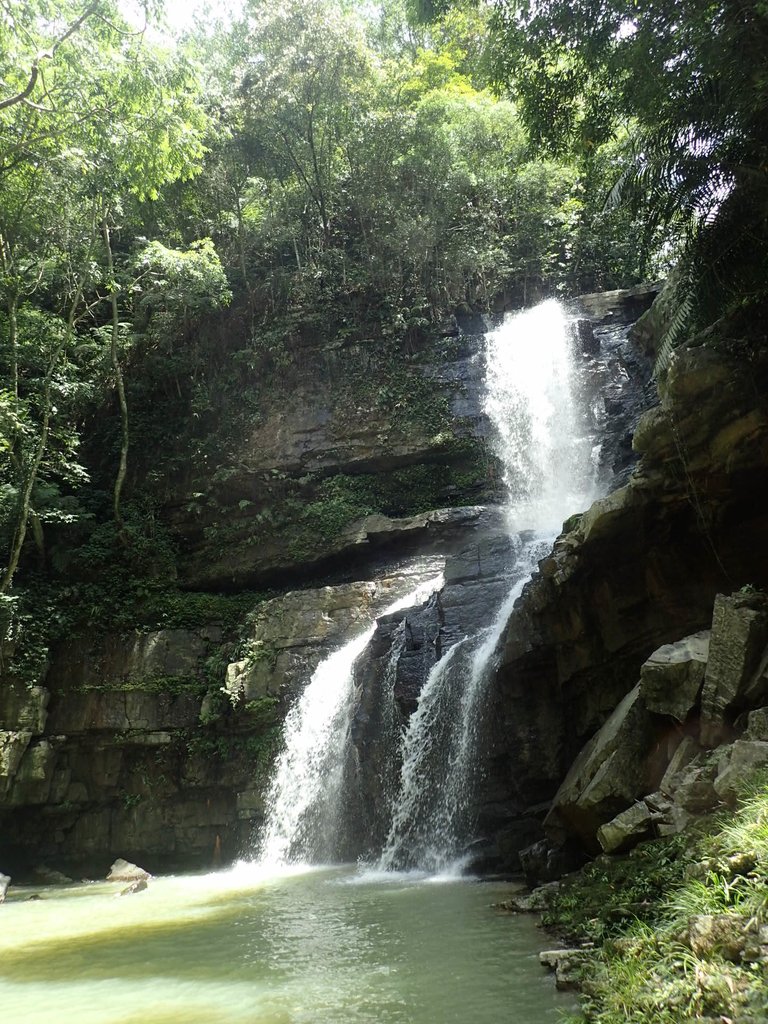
(690, 81)
(179, 281)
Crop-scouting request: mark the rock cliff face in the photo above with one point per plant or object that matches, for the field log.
(679, 744)
(155, 746)
(639, 569)
(337, 447)
(129, 747)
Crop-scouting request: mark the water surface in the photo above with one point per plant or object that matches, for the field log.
(310, 946)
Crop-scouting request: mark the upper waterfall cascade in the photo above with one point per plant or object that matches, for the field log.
(542, 439)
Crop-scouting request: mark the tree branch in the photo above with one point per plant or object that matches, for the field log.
(34, 73)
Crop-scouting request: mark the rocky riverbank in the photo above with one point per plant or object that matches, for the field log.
(672, 932)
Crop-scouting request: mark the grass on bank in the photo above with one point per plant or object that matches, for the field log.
(680, 926)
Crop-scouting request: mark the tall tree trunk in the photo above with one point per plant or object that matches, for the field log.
(30, 478)
(122, 469)
(25, 498)
(13, 338)
(12, 310)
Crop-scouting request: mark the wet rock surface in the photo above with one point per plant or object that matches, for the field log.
(566, 964)
(124, 871)
(392, 671)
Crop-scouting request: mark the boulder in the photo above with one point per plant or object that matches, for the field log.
(675, 821)
(626, 829)
(535, 902)
(542, 862)
(566, 964)
(670, 680)
(735, 677)
(667, 818)
(756, 725)
(124, 871)
(621, 305)
(695, 791)
(686, 751)
(756, 946)
(138, 886)
(745, 757)
(612, 771)
(723, 934)
(738, 864)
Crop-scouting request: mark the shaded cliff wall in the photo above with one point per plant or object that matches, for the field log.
(345, 432)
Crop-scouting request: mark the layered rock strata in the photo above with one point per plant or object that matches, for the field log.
(129, 746)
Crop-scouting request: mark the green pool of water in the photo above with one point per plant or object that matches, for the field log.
(329, 946)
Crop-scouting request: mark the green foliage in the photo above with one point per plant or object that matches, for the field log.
(106, 587)
(686, 85)
(610, 891)
(639, 909)
(262, 712)
(180, 283)
(258, 749)
(360, 181)
(341, 499)
(92, 121)
(363, 174)
(172, 685)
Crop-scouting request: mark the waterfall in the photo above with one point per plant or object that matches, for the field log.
(304, 800)
(430, 772)
(532, 400)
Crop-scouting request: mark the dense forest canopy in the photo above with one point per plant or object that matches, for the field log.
(688, 84)
(337, 169)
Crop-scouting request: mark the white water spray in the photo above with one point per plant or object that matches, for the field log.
(532, 400)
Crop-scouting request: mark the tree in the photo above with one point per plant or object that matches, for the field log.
(109, 122)
(689, 82)
(304, 63)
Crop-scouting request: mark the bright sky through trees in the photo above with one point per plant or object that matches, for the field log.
(180, 15)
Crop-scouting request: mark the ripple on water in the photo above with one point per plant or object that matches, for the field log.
(313, 946)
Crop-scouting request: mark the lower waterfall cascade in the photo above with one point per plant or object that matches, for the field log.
(543, 434)
(306, 789)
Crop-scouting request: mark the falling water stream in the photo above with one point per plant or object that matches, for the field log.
(533, 401)
(305, 794)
